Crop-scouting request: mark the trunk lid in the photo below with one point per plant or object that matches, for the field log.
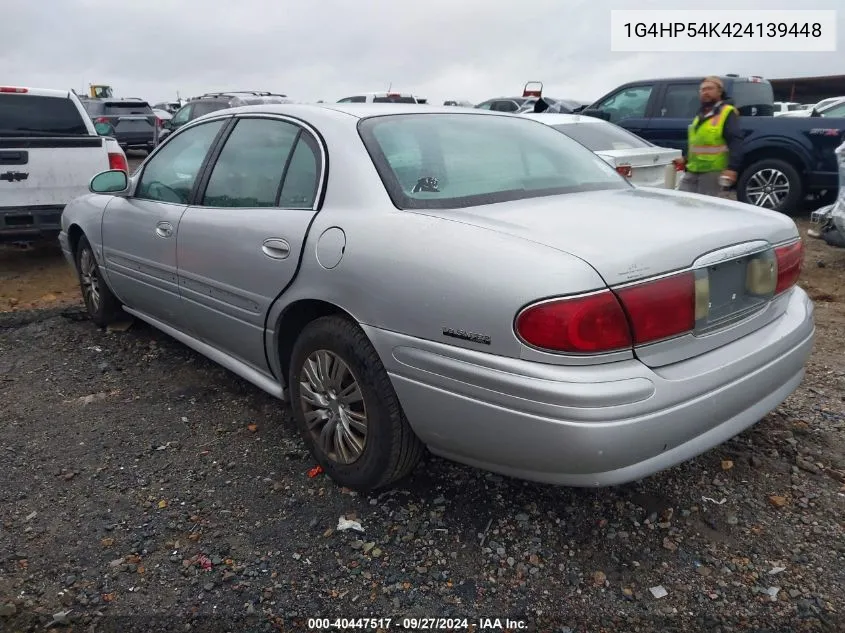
(40, 171)
(650, 166)
(634, 234)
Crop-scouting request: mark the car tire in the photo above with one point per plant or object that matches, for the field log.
(102, 306)
(389, 449)
(763, 171)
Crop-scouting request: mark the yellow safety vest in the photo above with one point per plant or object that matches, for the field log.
(707, 150)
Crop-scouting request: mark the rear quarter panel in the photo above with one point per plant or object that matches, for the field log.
(415, 274)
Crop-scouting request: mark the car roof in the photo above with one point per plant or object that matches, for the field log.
(357, 110)
(558, 118)
(39, 92)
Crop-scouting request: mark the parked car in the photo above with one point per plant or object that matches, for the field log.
(642, 163)
(565, 106)
(214, 101)
(171, 107)
(469, 281)
(383, 97)
(785, 158)
(459, 103)
(49, 151)
(163, 115)
(782, 107)
(828, 108)
(132, 121)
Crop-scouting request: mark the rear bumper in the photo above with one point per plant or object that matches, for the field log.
(594, 425)
(29, 223)
(135, 139)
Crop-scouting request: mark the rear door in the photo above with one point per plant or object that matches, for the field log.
(47, 154)
(134, 122)
(239, 245)
(679, 103)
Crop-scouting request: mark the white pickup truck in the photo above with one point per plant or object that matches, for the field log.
(49, 151)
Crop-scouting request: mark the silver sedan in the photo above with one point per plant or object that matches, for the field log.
(474, 283)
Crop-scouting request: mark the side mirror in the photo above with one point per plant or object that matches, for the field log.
(112, 181)
(103, 129)
(599, 114)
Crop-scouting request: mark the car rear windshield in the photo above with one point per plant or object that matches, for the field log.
(448, 161)
(30, 115)
(118, 108)
(601, 136)
(753, 98)
(393, 99)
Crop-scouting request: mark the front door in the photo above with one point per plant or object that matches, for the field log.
(139, 232)
(239, 246)
(680, 105)
(628, 107)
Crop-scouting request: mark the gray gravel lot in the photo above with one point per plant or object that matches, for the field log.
(145, 488)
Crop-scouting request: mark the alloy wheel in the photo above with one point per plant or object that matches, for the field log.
(90, 280)
(767, 188)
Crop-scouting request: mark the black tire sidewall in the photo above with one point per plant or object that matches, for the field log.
(333, 334)
(791, 205)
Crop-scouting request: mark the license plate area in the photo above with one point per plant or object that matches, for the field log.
(736, 289)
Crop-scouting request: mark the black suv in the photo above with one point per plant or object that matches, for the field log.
(132, 121)
(213, 101)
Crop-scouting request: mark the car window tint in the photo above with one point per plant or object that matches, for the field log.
(302, 176)
(171, 173)
(835, 111)
(449, 161)
(30, 115)
(204, 107)
(248, 172)
(682, 101)
(627, 103)
(600, 136)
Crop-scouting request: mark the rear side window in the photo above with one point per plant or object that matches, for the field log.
(121, 108)
(753, 98)
(445, 161)
(29, 115)
(248, 172)
(392, 99)
(601, 137)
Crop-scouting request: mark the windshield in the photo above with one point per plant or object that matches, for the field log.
(601, 136)
(29, 115)
(447, 161)
(835, 111)
(753, 98)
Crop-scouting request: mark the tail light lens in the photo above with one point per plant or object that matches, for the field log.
(662, 308)
(625, 170)
(790, 261)
(588, 324)
(101, 119)
(13, 90)
(118, 161)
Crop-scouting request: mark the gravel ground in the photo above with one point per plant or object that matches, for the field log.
(145, 488)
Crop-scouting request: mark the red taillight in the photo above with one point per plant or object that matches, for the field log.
(12, 89)
(118, 161)
(588, 324)
(790, 260)
(660, 309)
(101, 119)
(625, 170)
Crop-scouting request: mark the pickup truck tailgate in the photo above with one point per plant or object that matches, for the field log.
(39, 171)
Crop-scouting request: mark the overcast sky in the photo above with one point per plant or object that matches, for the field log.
(329, 49)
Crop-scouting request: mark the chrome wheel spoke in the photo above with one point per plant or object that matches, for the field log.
(767, 188)
(333, 406)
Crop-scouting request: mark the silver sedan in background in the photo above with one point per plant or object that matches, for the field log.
(471, 282)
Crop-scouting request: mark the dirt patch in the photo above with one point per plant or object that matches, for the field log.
(36, 277)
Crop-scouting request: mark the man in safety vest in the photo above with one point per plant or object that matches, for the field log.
(714, 143)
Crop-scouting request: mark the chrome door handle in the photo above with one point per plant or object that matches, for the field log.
(164, 229)
(276, 248)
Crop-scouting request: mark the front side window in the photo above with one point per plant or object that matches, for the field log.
(170, 175)
(183, 116)
(600, 136)
(681, 101)
(204, 107)
(627, 103)
(248, 172)
(445, 161)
